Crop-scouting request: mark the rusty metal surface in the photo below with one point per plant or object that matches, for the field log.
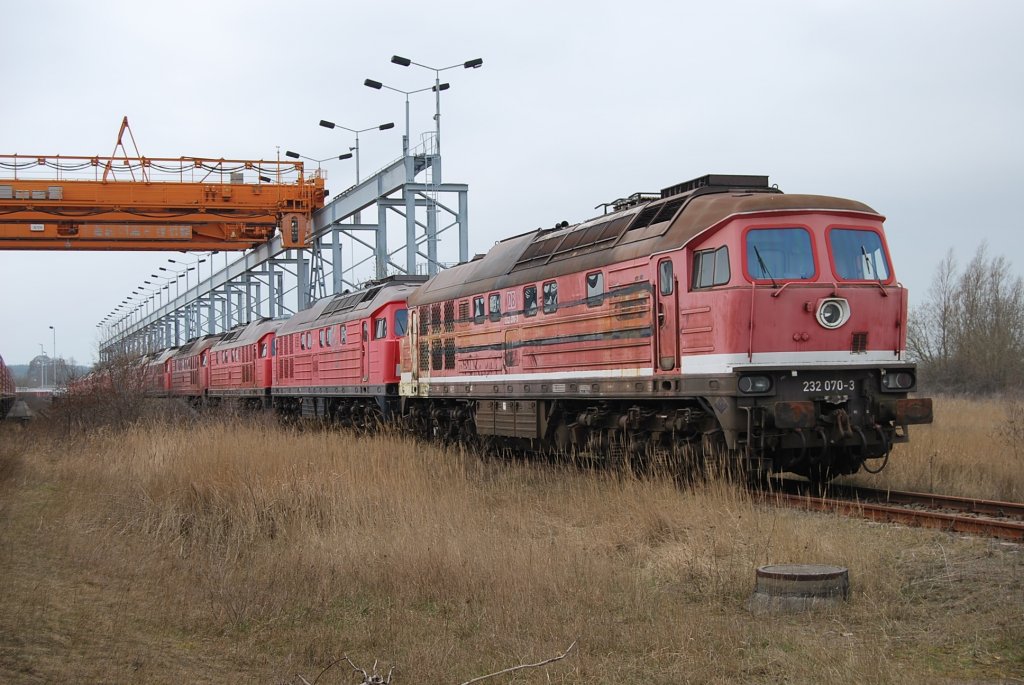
(951, 502)
(795, 415)
(914, 410)
(1005, 529)
(868, 495)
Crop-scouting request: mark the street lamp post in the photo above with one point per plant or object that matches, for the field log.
(405, 62)
(193, 266)
(42, 367)
(154, 294)
(296, 155)
(54, 360)
(377, 85)
(379, 127)
(176, 280)
(410, 171)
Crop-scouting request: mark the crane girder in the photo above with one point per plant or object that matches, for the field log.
(186, 203)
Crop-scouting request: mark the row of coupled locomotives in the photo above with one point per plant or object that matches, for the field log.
(7, 389)
(719, 316)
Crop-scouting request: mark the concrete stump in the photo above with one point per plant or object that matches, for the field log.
(789, 588)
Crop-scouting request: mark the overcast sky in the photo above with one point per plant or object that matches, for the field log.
(915, 108)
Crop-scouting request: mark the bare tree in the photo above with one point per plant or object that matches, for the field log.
(968, 336)
(930, 328)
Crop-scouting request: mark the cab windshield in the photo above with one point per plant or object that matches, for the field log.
(858, 255)
(779, 254)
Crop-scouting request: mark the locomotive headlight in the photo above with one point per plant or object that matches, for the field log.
(833, 312)
(898, 380)
(754, 384)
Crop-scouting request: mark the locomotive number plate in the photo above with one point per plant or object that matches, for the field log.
(829, 385)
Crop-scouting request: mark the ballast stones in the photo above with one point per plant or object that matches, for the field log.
(788, 588)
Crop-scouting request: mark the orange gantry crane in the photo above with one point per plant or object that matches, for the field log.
(153, 203)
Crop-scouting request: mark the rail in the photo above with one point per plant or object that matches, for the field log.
(991, 518)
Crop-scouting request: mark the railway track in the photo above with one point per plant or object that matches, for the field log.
(1003, 520)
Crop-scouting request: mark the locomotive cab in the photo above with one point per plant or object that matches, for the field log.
(801, 312)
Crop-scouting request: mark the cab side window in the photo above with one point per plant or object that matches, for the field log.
(711, 267)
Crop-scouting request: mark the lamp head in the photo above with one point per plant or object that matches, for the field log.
(401, 61)
(293, 155)
(385, 127)
(474, 63)
(370, 83)
(326, 124)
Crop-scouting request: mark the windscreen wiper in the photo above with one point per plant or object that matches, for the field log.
(870, 264)
(764, 267)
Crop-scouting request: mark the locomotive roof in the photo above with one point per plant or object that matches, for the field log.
(162, 356)
(632, 233)
(355, 305)
(196, 346)
(247, 333)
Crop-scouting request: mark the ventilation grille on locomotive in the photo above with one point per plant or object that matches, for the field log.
(580, 241)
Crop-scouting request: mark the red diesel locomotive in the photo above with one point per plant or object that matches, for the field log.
(719, 316)
(339, 359)
(721, 312)
(242, 364)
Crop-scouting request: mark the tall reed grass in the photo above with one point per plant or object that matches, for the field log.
(241, 550)
(974, 448)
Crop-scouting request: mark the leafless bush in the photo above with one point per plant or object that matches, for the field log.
(113, 395)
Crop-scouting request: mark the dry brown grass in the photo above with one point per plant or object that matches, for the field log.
(975, 448)
(249, 552)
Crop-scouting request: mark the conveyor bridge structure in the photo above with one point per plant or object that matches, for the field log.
(275, 215)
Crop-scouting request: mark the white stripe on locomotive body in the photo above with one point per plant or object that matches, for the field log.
(703, 364)
(545, 376)
(726, 363)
